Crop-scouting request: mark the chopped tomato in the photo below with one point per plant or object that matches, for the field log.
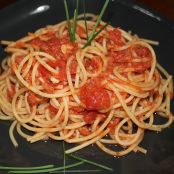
(93, 64)
(52, 109)
(125, 59)
(34, 99)
(77, 109)
(113, 123)
(94, 95)
(89, 117)
(84, 131)
(115, 36)
(142, 51)
(53, 46)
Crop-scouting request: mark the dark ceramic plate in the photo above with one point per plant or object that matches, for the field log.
(25, 16)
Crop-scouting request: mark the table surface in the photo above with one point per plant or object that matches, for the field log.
(163, 7)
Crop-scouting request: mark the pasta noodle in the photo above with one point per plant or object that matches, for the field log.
(110, 92)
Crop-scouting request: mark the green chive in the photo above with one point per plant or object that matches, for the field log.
(99, 18)
(78, 171)
(50, 170)
(94, 36)
(25, 168)
(74, 26)
(91, 162)
(84, 11)
(68, 19)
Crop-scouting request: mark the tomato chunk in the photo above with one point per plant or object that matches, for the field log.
(94, 95)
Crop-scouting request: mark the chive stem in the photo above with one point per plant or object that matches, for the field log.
(91, 162)
(99, 18)
(94, 36)
(25, 168)
(78, 171)
(50, 170)
(86, 26)
(68, 19)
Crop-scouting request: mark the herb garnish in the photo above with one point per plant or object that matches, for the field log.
(94, 33)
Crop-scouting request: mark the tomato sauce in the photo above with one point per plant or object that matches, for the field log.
(84, 131)
(127, 59)
(94, 96)
(34, 99)
(11, 92)
(53, 46)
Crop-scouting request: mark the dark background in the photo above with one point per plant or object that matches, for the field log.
(163, 7)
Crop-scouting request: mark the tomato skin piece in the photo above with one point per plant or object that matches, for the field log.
(90, 117)
(53, 46)
(84, 131)
(94, 95)
(113, 123)
(34, 99)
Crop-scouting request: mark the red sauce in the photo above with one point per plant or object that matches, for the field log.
(11, 92)
(115, 36)
(34, 99)
(92, 65)
(52, 109)
(18, 59)
(113, 124)
(89, 117)
(94, 95)
(53, 47)
(84, 131)
(126, 59)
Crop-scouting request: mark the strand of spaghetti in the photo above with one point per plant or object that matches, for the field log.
(94, 134)
(121, 153)
(127, 100)
(70, 81)
(27, 69)
(79, 58)
(87, 143)
(35, 136)
(30, 117)
(20, 51)
(28, 38)
(62, 137)
(60, 93)
(166, 84)
(130, 90)
(126, 142)
(75, 125)
(55, 118)
(152, 42)
(11, 130)
(132, 117)
(45, 65)
(20, 132)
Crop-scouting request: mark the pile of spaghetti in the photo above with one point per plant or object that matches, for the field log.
(109, 92)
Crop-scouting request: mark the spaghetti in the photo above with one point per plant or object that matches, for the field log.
(106, 93)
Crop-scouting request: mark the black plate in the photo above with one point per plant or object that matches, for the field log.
(25, 16)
